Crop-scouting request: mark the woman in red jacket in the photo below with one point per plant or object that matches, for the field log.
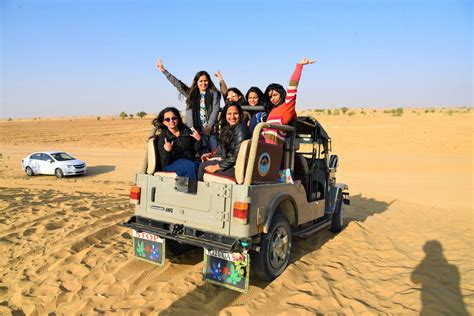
(282, 104)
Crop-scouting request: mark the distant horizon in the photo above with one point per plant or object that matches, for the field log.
(96, 56)
(182, 111)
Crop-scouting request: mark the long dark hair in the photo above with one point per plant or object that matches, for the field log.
(194, 93)
(158, 121)
(242, 100)
(278, 88)
(225, 130)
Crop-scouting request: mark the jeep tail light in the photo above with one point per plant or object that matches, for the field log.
(135, 195)
(240, 213)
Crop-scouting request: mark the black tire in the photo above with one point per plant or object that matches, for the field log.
(175, 248)
(29, 172)
(338, 217)
(59, 173)
(275, 249)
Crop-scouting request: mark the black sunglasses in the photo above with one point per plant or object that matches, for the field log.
(169, 119)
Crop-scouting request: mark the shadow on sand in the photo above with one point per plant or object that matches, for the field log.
(440, 283)
(210, 299)
(96, 170)
(359, 210)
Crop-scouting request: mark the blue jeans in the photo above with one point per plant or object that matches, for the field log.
(184, 168)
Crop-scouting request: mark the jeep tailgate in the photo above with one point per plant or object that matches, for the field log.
(167, 204)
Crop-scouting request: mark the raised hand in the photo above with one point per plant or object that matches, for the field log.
(196, 135)
(159, 65)
(168, 146)
(219, 76)
(306, 61)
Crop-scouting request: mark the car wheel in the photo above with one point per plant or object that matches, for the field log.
(59, 173)
(275, 250)
(29, 172)
(176, 249)
(338, 217)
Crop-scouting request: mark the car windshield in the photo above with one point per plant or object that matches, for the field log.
(62, 156)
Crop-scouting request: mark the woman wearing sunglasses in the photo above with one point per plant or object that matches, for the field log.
(254, 97)
(177, 144)
(202, 104)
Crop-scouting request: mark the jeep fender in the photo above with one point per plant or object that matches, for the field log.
(334, 195)
(279, 199)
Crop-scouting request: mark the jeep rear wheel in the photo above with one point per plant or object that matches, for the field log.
(275, 250)
(29, 172)
(59, 173)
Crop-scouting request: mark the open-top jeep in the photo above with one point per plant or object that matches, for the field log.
(251, 218)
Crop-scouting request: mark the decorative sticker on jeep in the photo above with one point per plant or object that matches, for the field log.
(264, 162)
(149, 247)
(230, 270)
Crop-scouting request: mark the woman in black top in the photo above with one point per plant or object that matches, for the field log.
(177, 144)
(232, 133)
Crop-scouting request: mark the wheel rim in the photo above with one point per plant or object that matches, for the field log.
(279, 248)
(29, 171)
(59, 173)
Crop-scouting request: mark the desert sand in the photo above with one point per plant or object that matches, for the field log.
(407, 247)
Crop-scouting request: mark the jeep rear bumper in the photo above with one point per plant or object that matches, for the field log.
(185, 234)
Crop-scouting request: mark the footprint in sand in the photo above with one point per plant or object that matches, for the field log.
(55, 225)
(29, 231)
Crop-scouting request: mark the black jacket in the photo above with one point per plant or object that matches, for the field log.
(184, 146)
(229, 153)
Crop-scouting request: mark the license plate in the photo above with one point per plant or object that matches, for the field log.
(149, 247)
(227, 269)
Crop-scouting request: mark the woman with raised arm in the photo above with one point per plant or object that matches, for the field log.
(230, 94)
(232, 133)
(177, 144)
(282, 104)
(202, 104)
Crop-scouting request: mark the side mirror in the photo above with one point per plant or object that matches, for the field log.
(333, 162)
(50, 160)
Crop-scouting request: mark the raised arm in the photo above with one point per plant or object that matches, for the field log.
(178, 84)
(295, 79)
(222, 84)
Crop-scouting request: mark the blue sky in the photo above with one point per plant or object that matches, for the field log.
(98, 57)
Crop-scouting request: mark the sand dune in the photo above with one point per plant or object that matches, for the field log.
(408, 246)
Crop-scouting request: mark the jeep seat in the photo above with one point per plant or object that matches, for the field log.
(154, 162)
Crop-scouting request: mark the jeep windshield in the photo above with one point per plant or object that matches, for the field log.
(62, 156)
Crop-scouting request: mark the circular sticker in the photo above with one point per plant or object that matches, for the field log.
(264, 162)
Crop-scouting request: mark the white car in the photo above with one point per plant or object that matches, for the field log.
(58, 163)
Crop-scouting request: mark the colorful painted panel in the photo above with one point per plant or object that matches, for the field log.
(149, 247)
(230, 270)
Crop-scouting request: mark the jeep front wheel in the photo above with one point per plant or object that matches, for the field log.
(338, 217)
(275, 250)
